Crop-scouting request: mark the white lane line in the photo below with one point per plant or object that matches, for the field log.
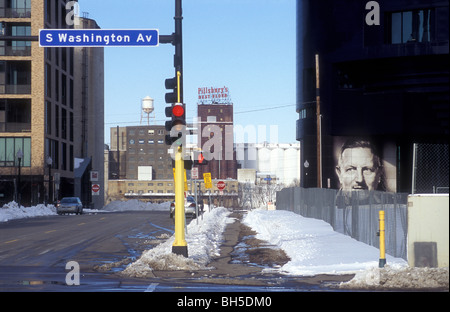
(151, 287)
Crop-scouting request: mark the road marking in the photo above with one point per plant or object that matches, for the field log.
(81, 223)
(151, 287)
(102, 218)
(161, 228)
(11, 241)
(50, 231)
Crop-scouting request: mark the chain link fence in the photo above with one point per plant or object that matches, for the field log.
(430, 168)
(354, 214)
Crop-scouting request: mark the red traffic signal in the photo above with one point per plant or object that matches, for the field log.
(199, 159)
(178, 110)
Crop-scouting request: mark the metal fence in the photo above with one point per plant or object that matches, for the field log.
(430, 168)
(354, 214)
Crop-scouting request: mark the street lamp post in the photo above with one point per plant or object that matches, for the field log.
(50, 186)
(18, 192)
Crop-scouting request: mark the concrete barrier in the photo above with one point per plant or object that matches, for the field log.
(428, 230)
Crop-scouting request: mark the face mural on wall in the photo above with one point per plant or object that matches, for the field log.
(363, 164)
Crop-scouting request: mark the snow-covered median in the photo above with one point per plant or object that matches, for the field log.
(203, 240)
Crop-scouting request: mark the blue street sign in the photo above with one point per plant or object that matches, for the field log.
(98, 38)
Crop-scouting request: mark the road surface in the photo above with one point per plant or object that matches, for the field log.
(38, 249)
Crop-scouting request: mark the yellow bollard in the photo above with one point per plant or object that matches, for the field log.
(179, 246)
(382, 261)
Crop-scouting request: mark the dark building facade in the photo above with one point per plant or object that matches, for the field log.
(383, 70)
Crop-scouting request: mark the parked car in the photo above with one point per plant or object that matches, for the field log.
(69, 205)
(189, 207)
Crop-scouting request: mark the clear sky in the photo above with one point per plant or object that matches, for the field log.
(247, 45)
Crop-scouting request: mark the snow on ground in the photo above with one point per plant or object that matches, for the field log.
(12, 211)
(312, 245)
(314, 248)
(203, 241)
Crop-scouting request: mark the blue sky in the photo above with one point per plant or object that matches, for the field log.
(247, 45)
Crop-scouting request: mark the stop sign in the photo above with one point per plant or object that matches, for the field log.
(221, 185)
(95, 188)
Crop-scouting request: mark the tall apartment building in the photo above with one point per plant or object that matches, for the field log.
(51, 108)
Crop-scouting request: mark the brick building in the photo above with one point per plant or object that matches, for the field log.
(217, 140)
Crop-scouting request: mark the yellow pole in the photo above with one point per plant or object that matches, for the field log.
(382, 262)
(179, 246)
(178, 84)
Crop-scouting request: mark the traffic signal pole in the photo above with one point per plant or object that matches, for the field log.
(179, 246)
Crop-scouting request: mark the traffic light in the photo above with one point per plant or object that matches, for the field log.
(172, 84)
(199, 159)
(176, 126)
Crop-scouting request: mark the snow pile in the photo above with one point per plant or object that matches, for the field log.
(312, 245)
(13, 211)
(136, 205)
(203, 242)
(403, 278)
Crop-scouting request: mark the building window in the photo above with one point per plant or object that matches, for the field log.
(8, 152)
(48, 117)
(302, 114)
(64, 123)
(15, 77)
(412, 26)
(15, 115)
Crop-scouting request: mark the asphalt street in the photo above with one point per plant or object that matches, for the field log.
(38, 249)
